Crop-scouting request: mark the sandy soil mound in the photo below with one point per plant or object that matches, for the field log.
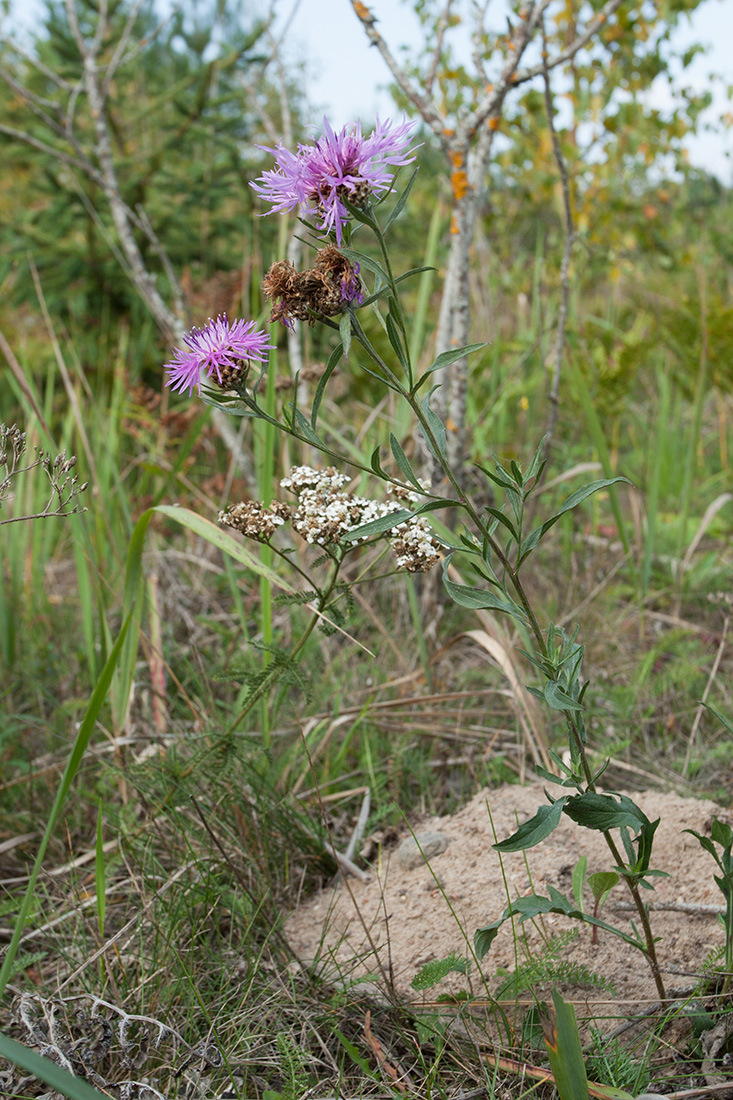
(403, 916)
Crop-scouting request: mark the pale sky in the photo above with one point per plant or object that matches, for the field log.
(347, 78)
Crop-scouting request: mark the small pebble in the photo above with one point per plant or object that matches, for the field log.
(409, 853)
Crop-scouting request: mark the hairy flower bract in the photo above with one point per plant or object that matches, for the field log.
(221, 349)
(338, 165)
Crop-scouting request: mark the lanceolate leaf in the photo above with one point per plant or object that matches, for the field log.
(301, 425)
(220, 538)
(529, 544)
(478, 598)
(333, 360)
(537, 829)
(437, 428)
(602, 811)
(365, 261)
(400, 204)
(395, 340)
(562, 1040)
(534, 906)
(402, 462)
(446, 358)
(377, 526)
(345, 332)
(376, 464)
(558, 699)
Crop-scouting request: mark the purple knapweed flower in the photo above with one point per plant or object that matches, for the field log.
(351, 286)
(338, 165)
(223, 350)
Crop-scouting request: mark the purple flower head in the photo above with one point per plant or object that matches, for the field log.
(338, 165)
(351, 288)
(223, 350)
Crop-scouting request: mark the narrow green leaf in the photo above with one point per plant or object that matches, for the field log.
(436, 426)
(562, 1040)
(300, 424)
(376, 464)
(721, 717)
(645, 842)
(558, 699)
(400, 204)
(345, 333)
(377, 526)
(365, 261)
(393, 333)
(534, 470)
(446, 358)
(220, 538)
(537, 829)
(478, 598)
(504, 520)
(579, 873)
(403, 463)
(47, 1071)
(73, 764)
(331, 365)
(576, 498)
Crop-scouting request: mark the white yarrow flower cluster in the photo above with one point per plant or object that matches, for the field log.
(325, 513)
(255, 521)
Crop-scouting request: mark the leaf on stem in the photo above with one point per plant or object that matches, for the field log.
(558, 699)
(478, 599)
(534, 906)
(400, 204)
(365, 261)
(436, 427)
(529, 544)
(345, 333)
(377, 526)
(393, 334)
(377, 466)
(403, 463)
(603, 812)
(333, 361)
(537, 829)
(446, 358)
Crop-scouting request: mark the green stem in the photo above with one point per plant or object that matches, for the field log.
(266, 683)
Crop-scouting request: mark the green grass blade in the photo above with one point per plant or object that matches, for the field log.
(563, 1048)
(72, 766)
(47, 1071)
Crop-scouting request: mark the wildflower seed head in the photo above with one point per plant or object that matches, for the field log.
(254, 520)
(324, 289)
(223, 351)
(337, 166)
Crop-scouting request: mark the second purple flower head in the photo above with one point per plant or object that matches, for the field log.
(222, 350)
(338, 165)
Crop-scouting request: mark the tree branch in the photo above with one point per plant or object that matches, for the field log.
(523, 75)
